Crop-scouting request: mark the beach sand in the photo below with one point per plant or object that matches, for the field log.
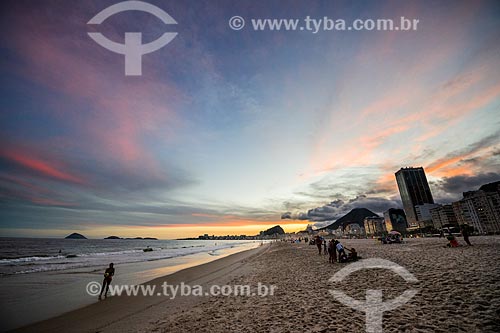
(458, 291)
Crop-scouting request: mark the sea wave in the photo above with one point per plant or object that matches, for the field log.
(29, 259)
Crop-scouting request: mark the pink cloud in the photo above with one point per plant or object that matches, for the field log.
(40, 166)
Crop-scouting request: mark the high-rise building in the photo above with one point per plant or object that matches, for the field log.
(443, 216)
(414, 190)
(480, 209)
(424, 216)
(395, 219)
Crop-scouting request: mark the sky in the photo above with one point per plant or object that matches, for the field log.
(235, 131)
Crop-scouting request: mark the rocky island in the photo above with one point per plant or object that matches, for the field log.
(75, 236)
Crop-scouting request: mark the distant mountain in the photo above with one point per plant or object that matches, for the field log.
(357, 215)
(75, 236)
(112, 237)
(272, 231)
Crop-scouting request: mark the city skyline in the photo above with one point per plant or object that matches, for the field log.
(233, 132)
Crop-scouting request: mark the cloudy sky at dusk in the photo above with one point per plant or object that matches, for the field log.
(226, 132)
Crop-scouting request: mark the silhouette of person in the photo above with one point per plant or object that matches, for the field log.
(318, 242)
(465, 233)
(332, 251)
(108, 276)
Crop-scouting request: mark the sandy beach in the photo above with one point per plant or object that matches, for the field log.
(458, 291)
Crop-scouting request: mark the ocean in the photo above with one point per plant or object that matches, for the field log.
(31, 255)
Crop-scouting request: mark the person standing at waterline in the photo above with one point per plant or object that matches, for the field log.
(108, 277)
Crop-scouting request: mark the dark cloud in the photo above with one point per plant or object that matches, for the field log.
(467, 183)
(286, 216)
(302, 217)
(450, 189)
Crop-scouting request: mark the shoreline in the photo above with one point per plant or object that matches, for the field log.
(118, 310)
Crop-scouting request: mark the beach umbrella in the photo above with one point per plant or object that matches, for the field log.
(394, 232)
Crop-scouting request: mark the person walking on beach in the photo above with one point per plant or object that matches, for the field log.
(324, 247)
(465, 233)
(318, 242)
(108, 276)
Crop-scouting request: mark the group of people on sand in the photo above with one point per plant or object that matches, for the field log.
(335, 250)
(295, 240)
